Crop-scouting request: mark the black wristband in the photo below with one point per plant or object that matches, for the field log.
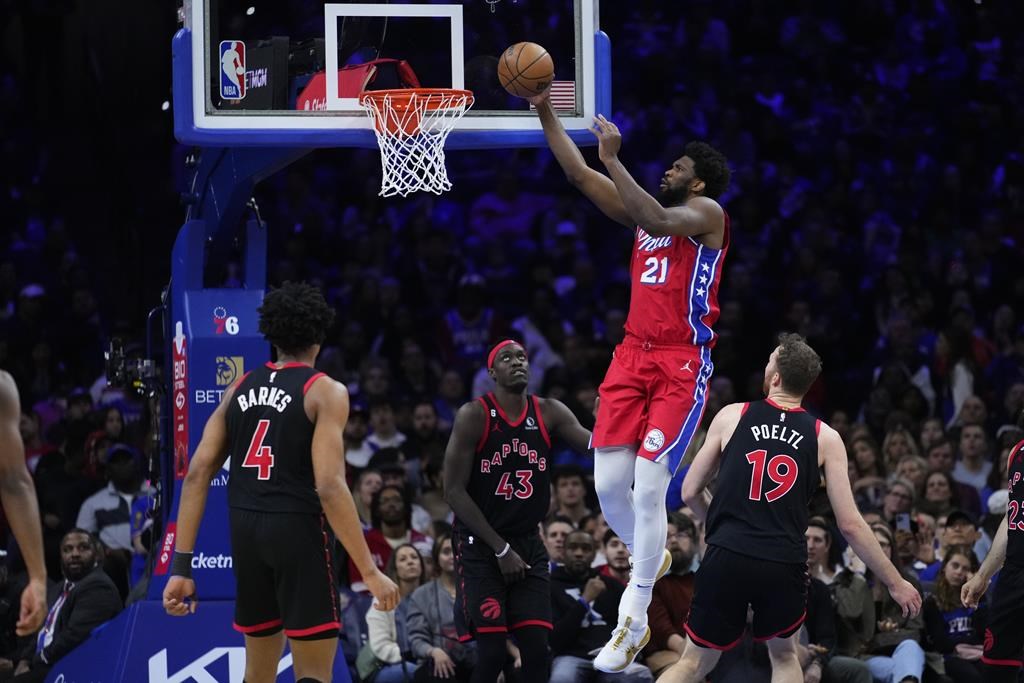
(181, 564)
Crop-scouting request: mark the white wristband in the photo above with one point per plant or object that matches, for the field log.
(504, 552)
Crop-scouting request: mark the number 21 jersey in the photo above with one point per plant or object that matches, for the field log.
(270, 441)
(768, 472)
(674, 292)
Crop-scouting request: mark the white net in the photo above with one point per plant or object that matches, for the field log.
(411, 127)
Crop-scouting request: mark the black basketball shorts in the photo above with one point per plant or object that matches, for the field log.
(728, 582)
(484, 603)
(284, 575)
(1004, 637)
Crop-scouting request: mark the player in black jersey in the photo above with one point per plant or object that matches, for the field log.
(769, 457)
(1004, 637)
(498, 483)
(283, 424)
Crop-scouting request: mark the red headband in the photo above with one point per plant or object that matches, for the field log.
(498, 347)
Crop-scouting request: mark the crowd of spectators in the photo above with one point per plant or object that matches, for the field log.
(877, 208)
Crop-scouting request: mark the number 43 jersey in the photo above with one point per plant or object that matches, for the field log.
(768, 472)
(511, 477)
(270, 440)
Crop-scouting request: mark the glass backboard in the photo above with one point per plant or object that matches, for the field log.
(259, 72)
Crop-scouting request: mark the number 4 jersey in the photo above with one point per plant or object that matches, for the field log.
(511, 478)
(768, 472)
(270, 440)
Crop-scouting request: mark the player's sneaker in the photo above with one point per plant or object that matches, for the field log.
(622, 649)
(666, 564)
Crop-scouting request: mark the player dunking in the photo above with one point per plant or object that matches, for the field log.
(283, 424)
(769, 456)
(498, 483)
(1004, 637)
(653, 395)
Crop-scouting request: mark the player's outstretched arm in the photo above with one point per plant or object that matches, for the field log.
(458, 465)
(596, 186)
(855, 529)
(700, 216)
(562, 423)
(327, 401)
(975, 587)
(705, 463)
(21, 507)
(179, 593)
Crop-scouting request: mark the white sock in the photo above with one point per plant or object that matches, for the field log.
(634, 603)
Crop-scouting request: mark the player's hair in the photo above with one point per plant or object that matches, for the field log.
(799, 365)
(294, 317)
(947, 597)
(711, 166)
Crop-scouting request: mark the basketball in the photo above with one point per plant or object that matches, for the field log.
(525, 69)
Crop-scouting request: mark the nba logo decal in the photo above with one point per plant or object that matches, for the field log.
(232, 69)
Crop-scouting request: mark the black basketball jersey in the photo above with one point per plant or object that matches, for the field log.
(769, 470)
(511, 479)
(1015, 506)
(270, 440)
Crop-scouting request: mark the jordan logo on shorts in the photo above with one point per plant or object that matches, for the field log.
(687, 367)
(490, 608)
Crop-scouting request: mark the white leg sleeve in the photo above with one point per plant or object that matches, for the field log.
(613, 476)
(649, 488)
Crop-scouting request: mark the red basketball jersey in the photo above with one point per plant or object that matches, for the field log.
(674, 298)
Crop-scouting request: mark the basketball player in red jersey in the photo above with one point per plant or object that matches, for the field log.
(498, 483)
(1004, 637)
(283, 424)
(769, 457)
(653, 395)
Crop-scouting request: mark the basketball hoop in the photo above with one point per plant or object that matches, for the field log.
(411, 127)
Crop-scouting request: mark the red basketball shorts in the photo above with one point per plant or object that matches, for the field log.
(653, 397)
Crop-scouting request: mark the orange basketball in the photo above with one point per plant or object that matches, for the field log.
(525, 69)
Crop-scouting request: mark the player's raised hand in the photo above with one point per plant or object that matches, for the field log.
(906, 596)
(536, 100)
(609, 138)
(973, 589)
(180, 596)
(384, 591)
(512, 566)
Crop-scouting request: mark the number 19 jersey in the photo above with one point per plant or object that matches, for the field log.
(270, 441)
(768, 472)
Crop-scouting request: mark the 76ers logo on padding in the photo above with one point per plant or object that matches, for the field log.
(990, 640)
(490, 608)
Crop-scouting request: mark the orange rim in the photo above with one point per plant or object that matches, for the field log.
(401, 97)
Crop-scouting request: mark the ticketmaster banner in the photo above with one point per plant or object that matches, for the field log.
(144, 645)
